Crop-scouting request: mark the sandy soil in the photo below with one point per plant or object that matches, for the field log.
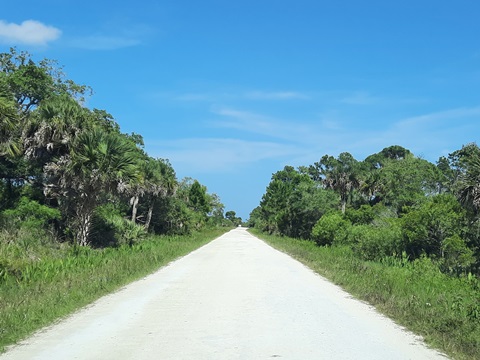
(235, 298)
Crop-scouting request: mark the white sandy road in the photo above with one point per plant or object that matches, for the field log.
(235, 298)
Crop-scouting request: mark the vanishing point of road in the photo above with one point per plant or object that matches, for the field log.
(235, 298)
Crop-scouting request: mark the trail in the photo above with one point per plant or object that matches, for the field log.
(235, 298)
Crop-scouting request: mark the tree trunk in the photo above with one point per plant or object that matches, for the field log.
(134, 202)
(85, 220)
(149, 215)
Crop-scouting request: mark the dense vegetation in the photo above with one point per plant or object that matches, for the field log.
(393, 229)
(392, 204)
(83, 207)
(69, 172)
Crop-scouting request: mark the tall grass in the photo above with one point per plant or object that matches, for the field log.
(42, 280)
(443, 309)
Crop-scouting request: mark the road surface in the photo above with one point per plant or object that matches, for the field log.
(235, 298)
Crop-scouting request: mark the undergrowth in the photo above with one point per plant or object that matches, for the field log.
(444, 310)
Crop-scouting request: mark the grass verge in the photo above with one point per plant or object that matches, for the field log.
(442, 309)
(42, 282)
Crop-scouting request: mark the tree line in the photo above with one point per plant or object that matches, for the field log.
(391, 204)
(69, 171)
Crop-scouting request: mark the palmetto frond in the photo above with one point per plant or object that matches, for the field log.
(9, 144)
(103, 157)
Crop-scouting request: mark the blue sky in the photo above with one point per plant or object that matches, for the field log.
(232, 91)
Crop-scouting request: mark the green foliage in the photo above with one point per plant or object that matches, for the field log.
(468, 185)
(173, 217)
(306, 205)
(293, 203)
(426, 227)
(406, 182)
(392, 203)
(362, 216)
(331, 229)
(98, 163)
(127, 232)
(30, 214)
(371, 242)
(232, 217)
(255, 219)
(341, 174)
(56, 151)
(197, 197)
(457, 258)
(111, 228)
(78, 160)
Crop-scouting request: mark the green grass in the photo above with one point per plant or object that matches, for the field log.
(442, 309)
(42, 280)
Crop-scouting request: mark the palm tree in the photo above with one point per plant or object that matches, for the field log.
(98, 163)
(469, 184)
(341, 175)
(160, 181)
(52, 128)
(9, 143)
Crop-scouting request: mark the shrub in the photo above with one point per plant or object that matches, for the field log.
(376, 242)
(364, 215)
(30, 214)
(457, 258)
(426, 228)
(110, 228)
(331, 229)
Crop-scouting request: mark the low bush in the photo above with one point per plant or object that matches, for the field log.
(373, 242)
(29, 214)
(332, 228)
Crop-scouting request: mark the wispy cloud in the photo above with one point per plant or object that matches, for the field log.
(112, 36)
(428, 135)
(209, 155)
(330, 124)
(215, 97)
(104, 42)
(29, 32)
(435, 117)
(360, 98)
(246, 121)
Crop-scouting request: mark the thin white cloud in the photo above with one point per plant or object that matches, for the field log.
(435, 117)
(360, 98)
(104, 42)
(244, 120)
(428, 135)
(216, 97)
(261, 124)
(302, 143)
(29, 32)
(330, 124)
(113, 35)
(209, 155)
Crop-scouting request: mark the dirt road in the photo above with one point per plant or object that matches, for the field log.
(235, 298)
